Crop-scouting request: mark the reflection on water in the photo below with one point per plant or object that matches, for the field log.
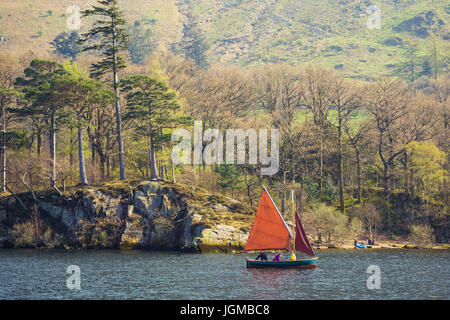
(34, 274)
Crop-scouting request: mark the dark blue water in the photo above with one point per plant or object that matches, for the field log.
(404, 274)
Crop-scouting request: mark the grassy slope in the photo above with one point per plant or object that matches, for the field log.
(21, 20)
(249, 32)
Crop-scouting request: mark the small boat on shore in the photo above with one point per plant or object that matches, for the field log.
(270, 232)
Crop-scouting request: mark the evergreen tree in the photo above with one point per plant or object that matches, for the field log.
(78, 93)
(426, 69)
(66, 44)
(141, 43)
(8, 97)
(230, 178)
(39, 88)
(111, 38)
(154, 106)
(194, 45)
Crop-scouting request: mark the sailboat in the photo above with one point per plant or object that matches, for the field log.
(270, 232)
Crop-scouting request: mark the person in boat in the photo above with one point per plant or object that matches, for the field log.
(262, 256)
(277, 258)
(292, 256)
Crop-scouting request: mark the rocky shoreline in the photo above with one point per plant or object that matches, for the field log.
(155, 215)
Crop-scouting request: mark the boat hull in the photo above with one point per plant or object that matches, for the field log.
(296, 264)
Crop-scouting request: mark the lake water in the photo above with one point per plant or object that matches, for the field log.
(342, 274)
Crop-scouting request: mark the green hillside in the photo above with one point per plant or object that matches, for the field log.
(250, 32)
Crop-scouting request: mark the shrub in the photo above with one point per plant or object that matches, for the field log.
(24, 235)
(331, 225)
(421, 235)
(329, 189)
(103, 233)
(371, 219)
(312, 189)
(356, 226)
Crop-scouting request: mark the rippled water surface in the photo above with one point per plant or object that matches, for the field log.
(34, 274)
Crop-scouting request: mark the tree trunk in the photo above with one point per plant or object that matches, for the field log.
(173, 166)
(118, 118)
(321, 167)
(341, 168)
(248, 189)
(358, 175)
(108, 168)
(39, 142)
(385, 182)
(3, 156)
(92, 164)
(153, 168)
(300, 202)
(70, 150)
(102, 167)
(3, 152)
(82, 167)
(53, 151)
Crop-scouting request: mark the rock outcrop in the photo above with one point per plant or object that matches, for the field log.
(139, 215)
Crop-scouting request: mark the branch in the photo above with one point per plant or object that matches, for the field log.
(59, 192)
(17, 198)
(28, 188)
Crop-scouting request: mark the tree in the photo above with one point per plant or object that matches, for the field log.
(229, 177)
(371, 219)
(387, 101)
(153, 106)
(194, 45)
(426, 69)
(112, 38)
(8, 97)
(141, 42)
(329, 223)
(279, 95)
(345, 100)
(39, 86)
(358, 138)
(315, 86)
(101, 128)
(67, 45)
(441, 94)
(425, 165)
(79, 93)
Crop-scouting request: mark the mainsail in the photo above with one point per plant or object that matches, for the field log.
(301, 241)
(269, 230)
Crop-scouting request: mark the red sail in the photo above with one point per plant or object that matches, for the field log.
(269, 230)
(301, 241)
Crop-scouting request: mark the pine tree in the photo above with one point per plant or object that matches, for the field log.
(78, 93)
(426, 69)
(194, 45)
(155, 106)
(141, 43)
(39, 88)
(8, 97)
(110, 38)
(66, 44)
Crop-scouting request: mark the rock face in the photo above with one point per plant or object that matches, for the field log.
(143, 215)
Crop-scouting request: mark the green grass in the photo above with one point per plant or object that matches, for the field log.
(291, 31)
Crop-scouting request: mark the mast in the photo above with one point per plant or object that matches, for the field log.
(293, 220)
